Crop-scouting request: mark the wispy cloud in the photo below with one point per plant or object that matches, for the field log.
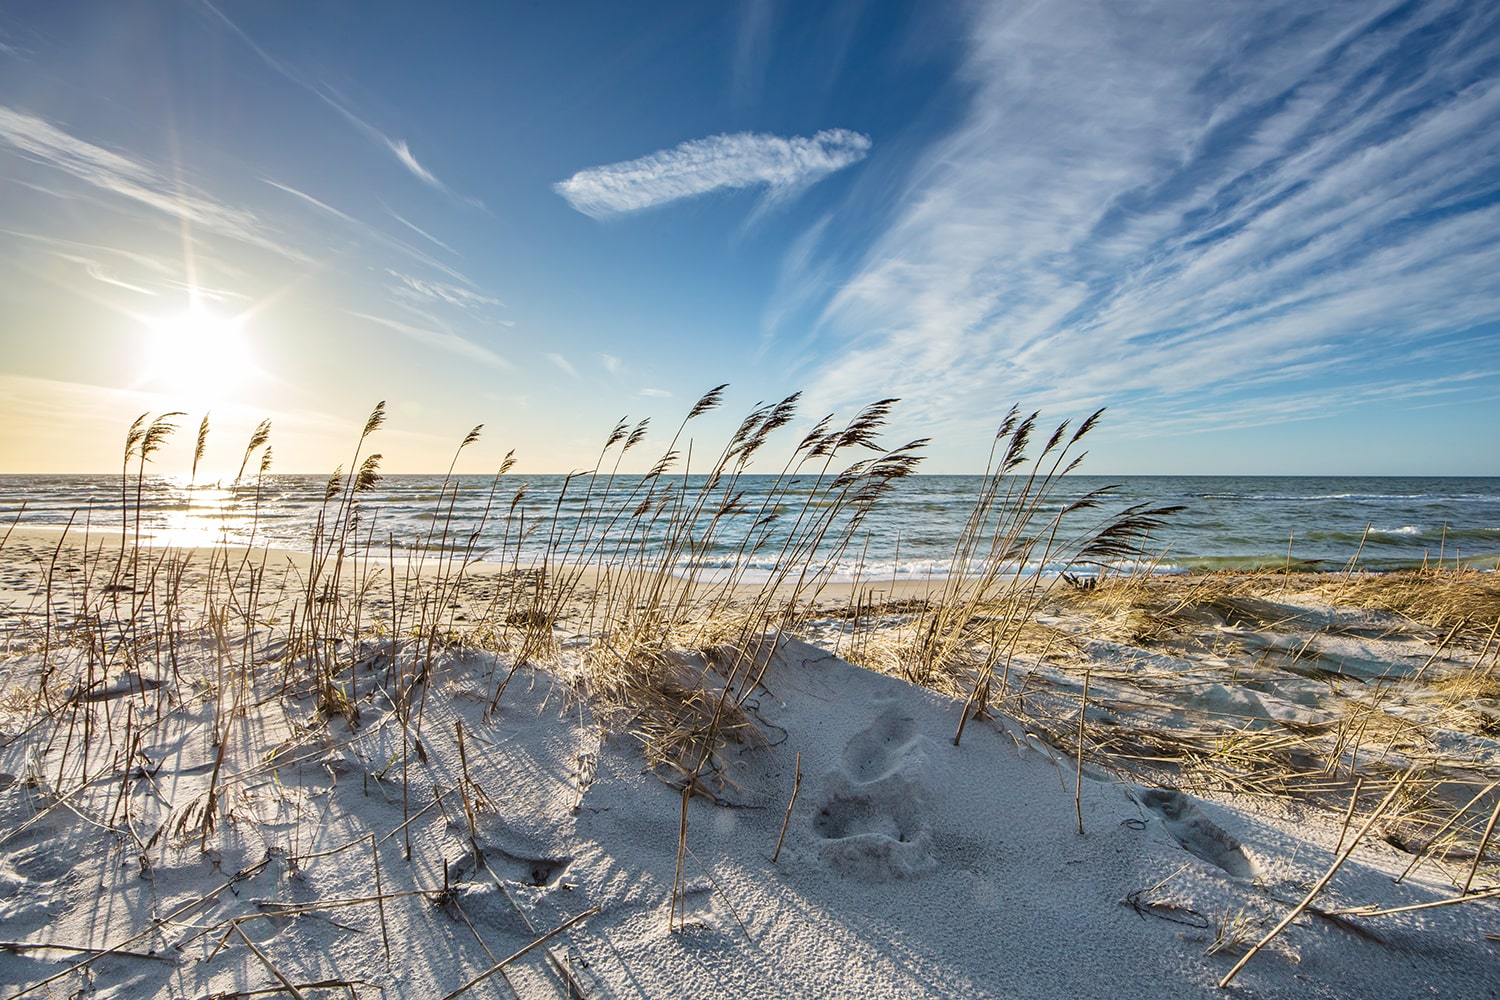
(369, 232)
(656, 393)
(69, 249)
(321, 206)
(1215, 207)
(718, 163)
(801, 279)
(443, 340)
(612, 364)
(97, 271)
(43, 142)
(752, 47)
(396, 147)
(404, 154)
(563, 363)
(425, 290)
(420, 232)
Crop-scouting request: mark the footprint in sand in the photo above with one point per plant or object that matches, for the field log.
(1200, 835)
(36, 877)
(512, 866)
(527, 870)
(874, 820)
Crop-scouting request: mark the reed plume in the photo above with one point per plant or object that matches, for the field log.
(198, 449)
(258, 437)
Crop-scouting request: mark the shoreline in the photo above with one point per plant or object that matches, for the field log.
(904, 585)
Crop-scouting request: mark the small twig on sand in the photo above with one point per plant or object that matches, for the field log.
(677, 879)
(1322, 883)
(796, 787)
(20, 946)
(511, 958)
(285, 982)
(468, 788)
(322, 984)
(1484, 843)
(1083, 711)
(385, 935)
(1370, 911)
(1349, 813)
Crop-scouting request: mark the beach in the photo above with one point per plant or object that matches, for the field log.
(849, 501)
(228, 772)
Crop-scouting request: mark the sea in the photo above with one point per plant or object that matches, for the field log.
(1225, 522)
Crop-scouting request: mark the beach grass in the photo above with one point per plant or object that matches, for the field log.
(670, 651)
(1231, 684)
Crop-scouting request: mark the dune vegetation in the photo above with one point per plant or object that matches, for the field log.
(231, 702)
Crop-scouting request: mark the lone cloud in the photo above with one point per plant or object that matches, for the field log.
(699, 166)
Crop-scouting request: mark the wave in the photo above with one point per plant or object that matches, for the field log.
(1353, 497)
(872, 572)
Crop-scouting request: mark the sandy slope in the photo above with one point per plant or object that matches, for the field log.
(910, 868)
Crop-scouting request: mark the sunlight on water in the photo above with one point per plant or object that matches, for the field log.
(177, 515)
(1227, 523)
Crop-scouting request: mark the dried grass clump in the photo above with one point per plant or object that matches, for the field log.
(1148, 609)
(1463, 600)
(1000, 632)
(691, 567)
(690, 724)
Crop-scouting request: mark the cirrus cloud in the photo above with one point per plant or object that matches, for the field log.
(40, 141)
(720, 162)
(1279, 209)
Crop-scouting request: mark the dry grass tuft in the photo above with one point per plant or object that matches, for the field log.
(1465, 600)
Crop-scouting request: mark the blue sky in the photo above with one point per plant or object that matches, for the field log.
(1265, 235)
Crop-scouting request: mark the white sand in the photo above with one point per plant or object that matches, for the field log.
(910, 868)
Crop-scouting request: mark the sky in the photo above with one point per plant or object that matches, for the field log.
(1265, 236)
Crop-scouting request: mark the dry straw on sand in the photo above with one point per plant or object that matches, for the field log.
(235, 771)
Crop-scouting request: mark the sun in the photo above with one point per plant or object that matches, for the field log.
(197, 354)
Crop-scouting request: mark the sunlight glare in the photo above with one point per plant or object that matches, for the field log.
(197, 354)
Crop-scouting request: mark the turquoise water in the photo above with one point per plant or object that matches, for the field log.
(1227, 521)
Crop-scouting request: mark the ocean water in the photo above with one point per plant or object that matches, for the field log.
(1238, 522)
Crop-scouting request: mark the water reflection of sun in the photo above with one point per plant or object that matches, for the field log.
(201, 516)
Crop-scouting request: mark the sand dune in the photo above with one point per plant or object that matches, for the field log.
(184, 820)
